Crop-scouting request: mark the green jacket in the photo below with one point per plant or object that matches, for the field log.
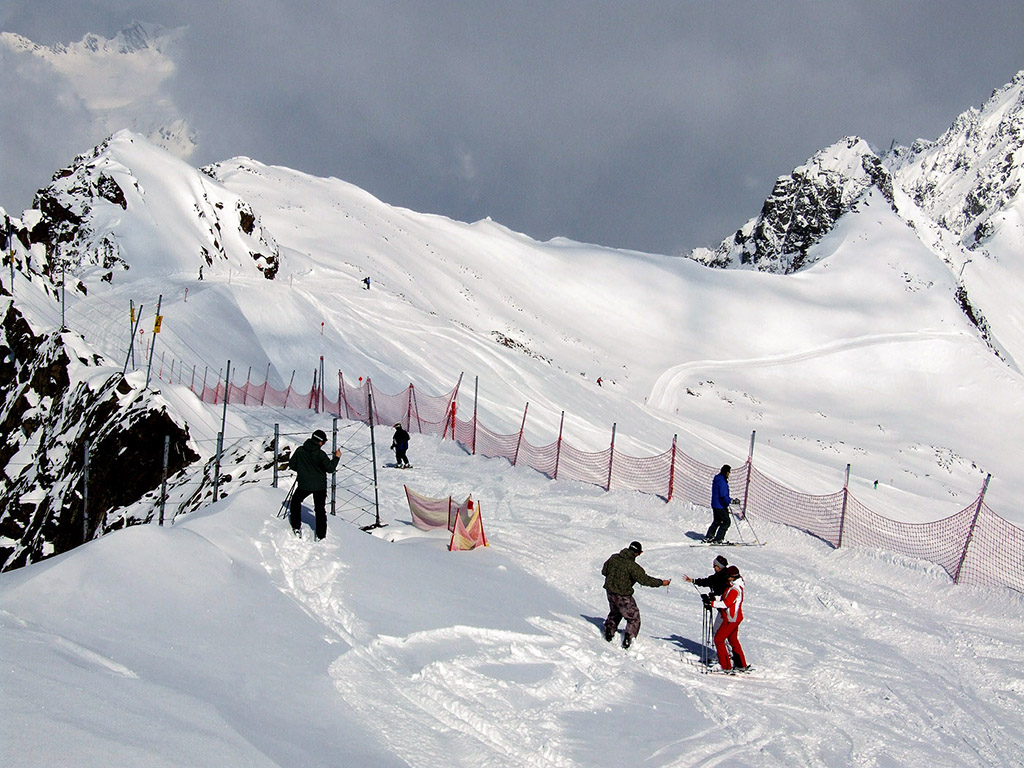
(311, 466)
(621, 571)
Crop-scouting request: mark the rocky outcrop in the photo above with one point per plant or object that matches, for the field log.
(802, 208)
(60, 403)
(86, 215)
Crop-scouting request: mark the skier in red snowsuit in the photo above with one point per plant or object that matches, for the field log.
(730, 606)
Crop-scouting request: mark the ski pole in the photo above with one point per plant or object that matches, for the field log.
(286, 504)
(742, 516)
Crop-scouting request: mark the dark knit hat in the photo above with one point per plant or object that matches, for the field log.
(320, 435)
(732, 572)
(634, 546)
(721, 562)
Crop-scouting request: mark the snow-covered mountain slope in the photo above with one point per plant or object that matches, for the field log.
(224, 641)
(961, 193)
(871, 359)
(969, 184)
(120, 82)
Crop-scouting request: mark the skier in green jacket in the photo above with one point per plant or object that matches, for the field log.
(311, 466)
(621, 571)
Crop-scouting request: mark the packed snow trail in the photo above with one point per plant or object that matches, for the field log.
(495, 657)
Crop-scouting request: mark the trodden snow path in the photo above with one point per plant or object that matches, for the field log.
(495, 657)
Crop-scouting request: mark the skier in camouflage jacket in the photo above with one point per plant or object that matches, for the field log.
(621, 571)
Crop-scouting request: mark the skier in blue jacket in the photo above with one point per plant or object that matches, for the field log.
(720, 502)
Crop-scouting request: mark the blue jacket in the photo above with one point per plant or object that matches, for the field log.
(720, 492)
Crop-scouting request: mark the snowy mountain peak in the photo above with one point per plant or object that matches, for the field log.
(802, 208)
(102, 206)
(971, 174)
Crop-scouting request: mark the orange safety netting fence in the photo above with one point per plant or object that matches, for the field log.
(464, 521)
(974, 546)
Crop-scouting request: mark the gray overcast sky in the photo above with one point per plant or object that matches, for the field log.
(659, 126)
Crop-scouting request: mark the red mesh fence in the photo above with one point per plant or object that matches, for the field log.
(974, 546)
(993, 553)
(649, 474)
(817, 515)
(941, 542)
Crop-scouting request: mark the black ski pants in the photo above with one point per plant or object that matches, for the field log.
(319, 508)
(719, 525)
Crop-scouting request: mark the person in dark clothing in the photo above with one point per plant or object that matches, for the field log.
(716, 584)
(621, 571)
(718, 581)
(311, 466)
(400, 444)
(720, 502)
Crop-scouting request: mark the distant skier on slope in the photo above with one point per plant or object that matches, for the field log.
(621, 571)
(400, 444)
(311, 466)
(720, 502)
(730, 607)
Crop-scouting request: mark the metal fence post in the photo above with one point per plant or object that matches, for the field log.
(152, 343)
(277, 443)
(750, 471)
(672, 470)
(334, 476)
(611, 459)
(522, 427)
(476, 398)
(558, 445)
(85, 494)
(163, 481)
(970, 532)
(842, 512)
(216, 465)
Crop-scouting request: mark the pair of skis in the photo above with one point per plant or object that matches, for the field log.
(755, 543)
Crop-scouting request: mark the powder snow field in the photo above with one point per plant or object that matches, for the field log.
(223, 641)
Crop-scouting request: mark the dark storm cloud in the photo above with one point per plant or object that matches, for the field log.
(658, 126)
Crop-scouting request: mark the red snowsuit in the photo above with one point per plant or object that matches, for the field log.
(730, 607)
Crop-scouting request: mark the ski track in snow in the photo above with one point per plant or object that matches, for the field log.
(464, 695)
(677, 377)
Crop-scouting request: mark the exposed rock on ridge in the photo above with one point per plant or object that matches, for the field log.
(55, 396)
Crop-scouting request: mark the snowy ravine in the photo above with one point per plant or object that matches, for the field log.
(224, 641)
